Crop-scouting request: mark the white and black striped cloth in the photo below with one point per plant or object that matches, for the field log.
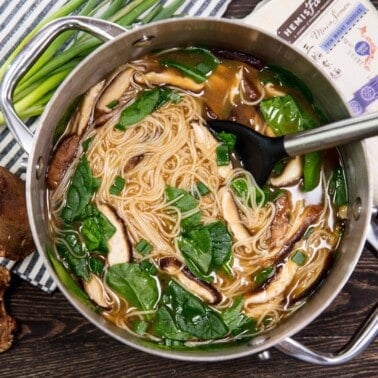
(17, 18)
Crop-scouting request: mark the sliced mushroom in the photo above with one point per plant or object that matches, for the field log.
(171, 77)
(133, 162)
(259, 310)
(61, 160)
(118, 244)
(231, 215)
(207, 143)
(83, 114)
(281, 221)
(182, 274)
(308, 216)
(114, 90)
(95, 290)
(291, 174)
(275, 286)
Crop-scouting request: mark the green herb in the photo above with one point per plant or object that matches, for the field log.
(112, 104)
(79, 192)
(337, 187)
(193, 317)
(236, 321)
(136, 285)
(299, 257)
(222, 155)
(96, 266)
(263, 275)
(143, 247)
(117, 186)
(165, 325)
(228, 139)
(70, 284)
(224, 150)
(148, 267)
(284, 115)
(186, 203)
(206, 248)
(139, 326)
(196, 248)
(202, 189)
(86, 144)
(221, 242)
(195, 63)
(72, 252)
(96, 232)
(147, 102)
(35, 89)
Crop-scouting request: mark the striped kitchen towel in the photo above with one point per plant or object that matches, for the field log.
(17, 18)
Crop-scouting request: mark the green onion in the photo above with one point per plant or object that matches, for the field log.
(222, 155)
(144, 247)
(202, 189)
(41, 81)
(112, 104)
(263, 275)
(299, 257)
(117, 186)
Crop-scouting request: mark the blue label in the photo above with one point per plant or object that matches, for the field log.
(345, 25)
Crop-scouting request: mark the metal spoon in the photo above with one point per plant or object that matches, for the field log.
(260, 153)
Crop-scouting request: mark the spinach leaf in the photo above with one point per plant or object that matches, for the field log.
(206, 248)
(236, 321)
(72, 252)
(96, 266)
(221, 243)
(79, 192)
(180, 198)
(96, 231)
(193, 317)
(196, 247)
(194, 62)
(71, 285)
(283, 115)
(185, 202)
(147, 102)
(136, 285)
(165, 327)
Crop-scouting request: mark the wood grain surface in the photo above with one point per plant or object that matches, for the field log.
(54, 340)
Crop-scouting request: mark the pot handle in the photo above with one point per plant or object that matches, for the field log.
(356, 345)
(24, 60)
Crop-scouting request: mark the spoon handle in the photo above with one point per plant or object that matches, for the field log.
(332, 135)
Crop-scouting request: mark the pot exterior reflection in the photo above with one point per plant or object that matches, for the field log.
(210, 33)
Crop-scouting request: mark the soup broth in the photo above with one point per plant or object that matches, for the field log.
(154, 216)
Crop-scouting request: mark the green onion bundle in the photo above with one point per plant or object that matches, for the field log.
(36, 88)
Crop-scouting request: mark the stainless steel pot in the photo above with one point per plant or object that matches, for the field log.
(123, 46)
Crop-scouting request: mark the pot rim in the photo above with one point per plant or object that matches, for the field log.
(109, 328)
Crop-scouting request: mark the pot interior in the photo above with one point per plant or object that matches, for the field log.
(209, 33)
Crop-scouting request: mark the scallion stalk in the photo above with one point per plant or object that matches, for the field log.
(38, 85)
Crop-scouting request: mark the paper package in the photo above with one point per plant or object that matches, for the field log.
(341, 38)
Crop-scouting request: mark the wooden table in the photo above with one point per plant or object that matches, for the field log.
(55, 340)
